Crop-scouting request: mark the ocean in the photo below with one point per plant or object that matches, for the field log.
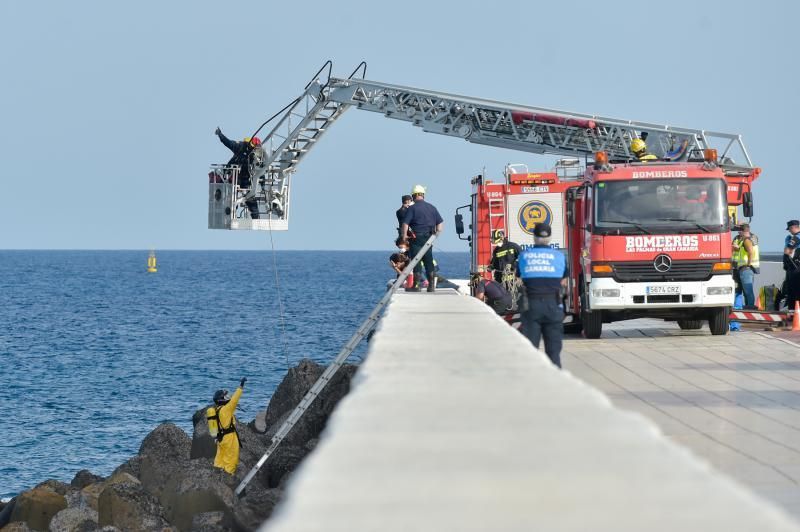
(96, 352)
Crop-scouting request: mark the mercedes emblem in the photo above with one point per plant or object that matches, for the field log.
(662, 263)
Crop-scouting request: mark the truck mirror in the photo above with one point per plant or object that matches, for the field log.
(571, 212)
(459, 224)
(747, 204)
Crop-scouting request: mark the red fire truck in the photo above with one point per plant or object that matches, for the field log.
(642, 239)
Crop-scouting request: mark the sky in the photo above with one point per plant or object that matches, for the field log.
(107, 109)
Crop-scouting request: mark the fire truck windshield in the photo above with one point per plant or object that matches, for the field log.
(656, 206)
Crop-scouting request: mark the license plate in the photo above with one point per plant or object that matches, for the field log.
(663, 290)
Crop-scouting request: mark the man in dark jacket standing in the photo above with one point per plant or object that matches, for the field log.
(401, 212)
(424, 220)
(242, 157)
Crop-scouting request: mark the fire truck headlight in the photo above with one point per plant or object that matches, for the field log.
(719, 290)
(605, 292)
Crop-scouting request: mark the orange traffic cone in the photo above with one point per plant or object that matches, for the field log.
(796, 317)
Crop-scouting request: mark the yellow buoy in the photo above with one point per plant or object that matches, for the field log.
(151, 262)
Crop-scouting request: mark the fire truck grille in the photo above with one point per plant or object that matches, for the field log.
(632, 272)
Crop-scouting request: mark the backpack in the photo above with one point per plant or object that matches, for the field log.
(768, 297)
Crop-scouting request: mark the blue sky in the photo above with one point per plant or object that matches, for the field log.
(108, 108)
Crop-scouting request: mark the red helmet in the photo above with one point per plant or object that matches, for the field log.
(255, 141)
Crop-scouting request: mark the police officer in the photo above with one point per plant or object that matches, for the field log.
(423, 219)
(544, 272)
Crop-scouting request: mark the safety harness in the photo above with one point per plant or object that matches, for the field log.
(222, 432)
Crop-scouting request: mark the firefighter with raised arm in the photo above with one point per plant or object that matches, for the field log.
(544, 273)
(243, 153)
(222, 426)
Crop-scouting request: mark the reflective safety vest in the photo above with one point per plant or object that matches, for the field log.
(740, 253)
(542, 263)
(647, 157)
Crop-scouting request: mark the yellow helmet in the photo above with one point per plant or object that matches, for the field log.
(638, 145)
(498, 236)
(418, 189)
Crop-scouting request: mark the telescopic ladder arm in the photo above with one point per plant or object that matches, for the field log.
(525, 128)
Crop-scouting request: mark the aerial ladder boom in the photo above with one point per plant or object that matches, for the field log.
(297, 128)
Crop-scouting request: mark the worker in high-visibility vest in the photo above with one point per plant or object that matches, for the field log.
(746, 263)
(222, 426)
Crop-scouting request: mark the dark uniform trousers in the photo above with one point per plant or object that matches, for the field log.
(427, 258)
(545, 316)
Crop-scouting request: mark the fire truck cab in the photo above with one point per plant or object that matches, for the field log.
(641, 239)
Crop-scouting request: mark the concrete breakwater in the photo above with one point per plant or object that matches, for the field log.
(171, 484)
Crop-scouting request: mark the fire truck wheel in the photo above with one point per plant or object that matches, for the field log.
(592, 324)
(690, 325)
(718, 321)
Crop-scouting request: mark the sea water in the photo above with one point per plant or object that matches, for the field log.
(95, 352)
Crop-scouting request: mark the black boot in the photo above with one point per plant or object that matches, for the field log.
(432, 283)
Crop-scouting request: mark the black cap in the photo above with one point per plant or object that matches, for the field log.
(791, 223)
(542, 230)
(406, 198)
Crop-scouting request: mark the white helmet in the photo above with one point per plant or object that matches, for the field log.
(418, 189)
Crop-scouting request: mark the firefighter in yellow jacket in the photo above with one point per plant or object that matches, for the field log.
(222, 426)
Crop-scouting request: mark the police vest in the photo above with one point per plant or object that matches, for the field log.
(542, 263)
(740, 253)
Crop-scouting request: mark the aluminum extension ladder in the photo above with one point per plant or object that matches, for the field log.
(363, 331)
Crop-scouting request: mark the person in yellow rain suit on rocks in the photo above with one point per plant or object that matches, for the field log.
(222, 426)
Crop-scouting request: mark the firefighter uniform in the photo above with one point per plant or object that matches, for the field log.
(505, 254)
(542, 269)
(227, 456)
(422, 219)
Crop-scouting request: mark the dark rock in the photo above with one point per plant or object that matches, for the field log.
(163, 453)
(38, 506)
(132, 466)
(128, 506)
(55, 486)
(5, 513)
(251, 448)
(18, 526)
(280, 464)
(83, 478)
(210, 522)
(203, 444)
(198, 489)
(255, 506)
(168, 440)
(89, 496)
(74, 519)
(292, 389)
